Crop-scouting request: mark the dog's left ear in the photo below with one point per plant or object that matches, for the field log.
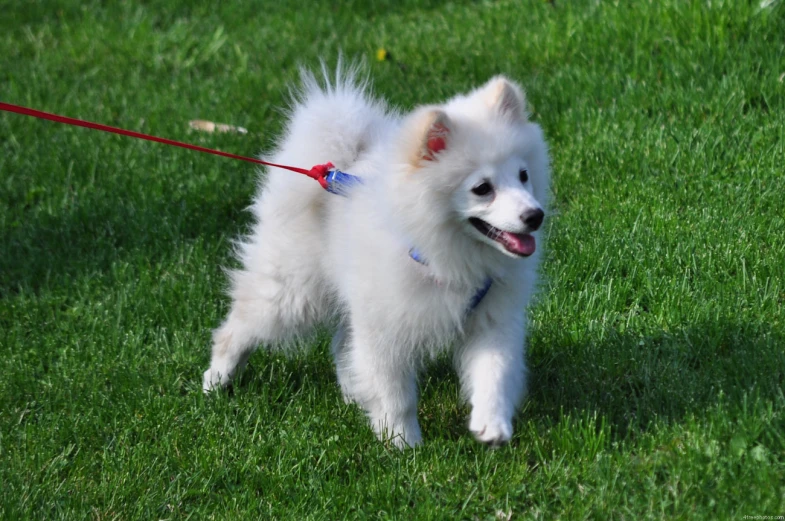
(506, 98)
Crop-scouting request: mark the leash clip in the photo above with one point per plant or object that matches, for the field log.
(333, 180)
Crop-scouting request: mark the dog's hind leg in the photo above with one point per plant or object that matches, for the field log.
(233, 344)
(269, 306)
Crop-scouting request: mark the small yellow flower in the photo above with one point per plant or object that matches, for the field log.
(382, 55)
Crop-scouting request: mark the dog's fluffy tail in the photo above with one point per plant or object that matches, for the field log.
(333, 117)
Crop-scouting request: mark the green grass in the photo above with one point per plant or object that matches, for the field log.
(656, 349)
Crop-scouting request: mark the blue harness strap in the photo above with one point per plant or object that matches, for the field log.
(477, 298)
(341, 183)
(478, 295)
(414, 254)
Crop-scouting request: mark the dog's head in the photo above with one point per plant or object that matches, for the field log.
(485, 160)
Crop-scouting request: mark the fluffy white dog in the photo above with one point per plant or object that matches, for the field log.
(437, 247)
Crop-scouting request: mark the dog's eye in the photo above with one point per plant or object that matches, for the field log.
(482, 189)
(524, 175)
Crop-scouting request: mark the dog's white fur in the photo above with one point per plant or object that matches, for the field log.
(314, 257)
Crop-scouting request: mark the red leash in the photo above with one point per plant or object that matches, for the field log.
(318, 172)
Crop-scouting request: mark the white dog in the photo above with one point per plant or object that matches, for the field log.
(435, 247)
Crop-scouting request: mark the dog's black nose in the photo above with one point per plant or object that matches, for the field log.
(533, 218)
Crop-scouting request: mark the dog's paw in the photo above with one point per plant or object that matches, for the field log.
(491, 431)
(404, 441)
(402, 434)
(213, 380)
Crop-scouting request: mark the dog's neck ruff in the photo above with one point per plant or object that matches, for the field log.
(341, 183)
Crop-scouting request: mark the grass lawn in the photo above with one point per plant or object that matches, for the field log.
(657, 348)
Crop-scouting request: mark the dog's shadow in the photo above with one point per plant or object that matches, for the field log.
(631, 381)
(626, 380)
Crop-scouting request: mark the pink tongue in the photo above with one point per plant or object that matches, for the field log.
(518, 243)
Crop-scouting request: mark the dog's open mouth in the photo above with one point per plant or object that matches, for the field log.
(521, 244)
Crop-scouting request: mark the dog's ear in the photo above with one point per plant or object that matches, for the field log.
(432, 130)
(506, 98)
(436, 135)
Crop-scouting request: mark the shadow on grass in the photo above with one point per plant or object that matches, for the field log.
(41, 250)
(628, 381)
(631, 381)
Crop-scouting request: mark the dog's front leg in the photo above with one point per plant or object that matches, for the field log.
(493, 377)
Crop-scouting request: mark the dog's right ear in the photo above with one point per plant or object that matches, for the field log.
(506, 98)
(430, 132)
